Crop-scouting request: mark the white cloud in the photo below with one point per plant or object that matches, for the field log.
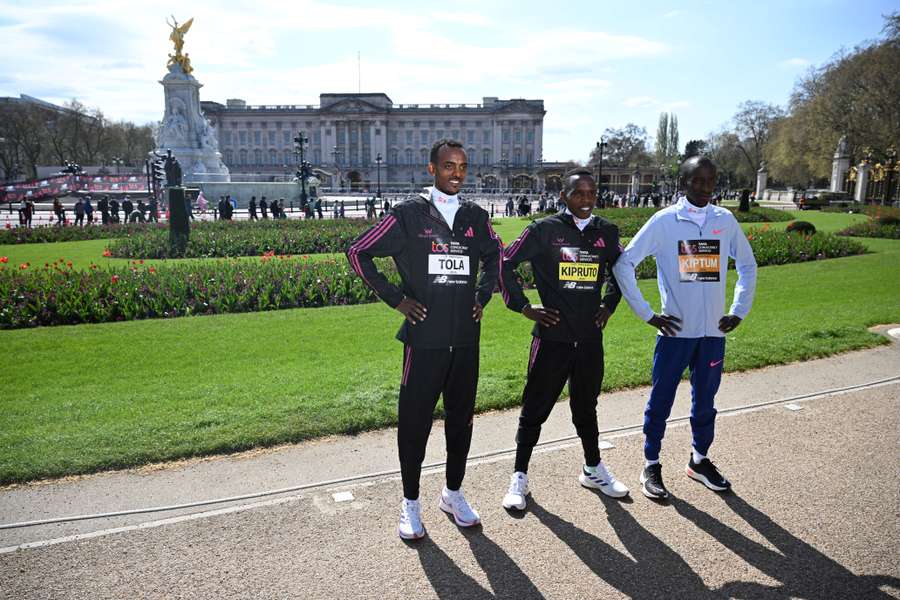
(672, 14)
(112, 56)
(795, 63)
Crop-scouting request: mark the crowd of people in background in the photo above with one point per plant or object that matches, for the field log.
(113, 211)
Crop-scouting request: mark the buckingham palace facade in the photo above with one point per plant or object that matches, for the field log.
(348, 133)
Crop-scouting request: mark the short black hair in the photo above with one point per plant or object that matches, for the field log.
(436, 148)
(689, 165)
(572, 176)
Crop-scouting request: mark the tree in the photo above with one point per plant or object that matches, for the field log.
(694, 148)
(753, 122)
(672, 137)
(854, 95)
(625, 147)
(724, 150)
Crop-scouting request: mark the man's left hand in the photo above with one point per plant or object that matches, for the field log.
(729, 323)
(477, 311)
(602, 317)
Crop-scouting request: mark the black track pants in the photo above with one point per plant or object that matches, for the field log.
(428, 373)
(550, 364)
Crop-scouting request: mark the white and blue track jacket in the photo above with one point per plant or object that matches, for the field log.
(691, 267)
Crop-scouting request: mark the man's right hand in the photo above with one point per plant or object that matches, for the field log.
(412, 310)
(547, 317)
(667, 324)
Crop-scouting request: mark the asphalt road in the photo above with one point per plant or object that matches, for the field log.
(814, 514)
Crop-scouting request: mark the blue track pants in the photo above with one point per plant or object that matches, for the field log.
(704, 357)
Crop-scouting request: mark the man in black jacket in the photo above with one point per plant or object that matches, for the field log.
(436, 241)
(571, 255)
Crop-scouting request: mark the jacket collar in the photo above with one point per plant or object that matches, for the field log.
(681, 210)
(568, 219)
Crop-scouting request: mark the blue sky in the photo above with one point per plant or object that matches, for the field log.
(596, 64)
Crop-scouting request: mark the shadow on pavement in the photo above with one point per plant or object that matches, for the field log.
(656, 571)
(803, 571)
(450, 582)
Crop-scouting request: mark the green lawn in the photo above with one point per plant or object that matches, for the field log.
(93, 397)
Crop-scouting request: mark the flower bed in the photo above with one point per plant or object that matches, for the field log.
(54, 233)
(246, 238)
(873, 228)
(56, 294)
(630, 220)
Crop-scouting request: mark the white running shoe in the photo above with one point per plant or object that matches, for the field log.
(518, 489)
(600, 478)
(454, 503)
(411, 527)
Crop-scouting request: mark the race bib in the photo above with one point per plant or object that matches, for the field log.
(448, 264)
(698, 260)
(578, 269)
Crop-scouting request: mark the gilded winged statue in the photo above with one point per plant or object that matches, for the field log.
(177, 37)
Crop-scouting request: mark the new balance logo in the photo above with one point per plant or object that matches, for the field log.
(599, 243)
(469, 232)
(427, 232)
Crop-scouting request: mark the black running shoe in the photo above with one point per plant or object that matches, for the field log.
(652, 484)
(706, 473)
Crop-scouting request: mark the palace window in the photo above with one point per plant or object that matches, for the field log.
(229, 157)
(257, 138)
(487, 136)
(243, 156)
(409, 156)
(518, 136)
(271, 138)
(226, 138)
(485, 157)
(470, 137)
(423, 136)
(423, 156)
(454, 135)
(530, 136)
(392, 156)
(257, 157)
(286, 136)
(409, 136)
(242, 136)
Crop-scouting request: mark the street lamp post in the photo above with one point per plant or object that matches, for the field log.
(600, 146)
(303, 171)
(118, 161)
(378, 161)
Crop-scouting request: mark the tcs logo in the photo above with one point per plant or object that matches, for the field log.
(439, 247)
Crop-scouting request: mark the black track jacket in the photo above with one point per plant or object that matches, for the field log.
(437, 267)
(570, 266)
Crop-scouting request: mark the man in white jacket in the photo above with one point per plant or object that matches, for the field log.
(691, 241)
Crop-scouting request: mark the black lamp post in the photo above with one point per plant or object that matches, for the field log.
(890, 164)
(378, 161)
(118, 161)
(600, 146)
(304, 169)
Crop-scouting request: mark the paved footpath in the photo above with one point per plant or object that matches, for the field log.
(815, 512)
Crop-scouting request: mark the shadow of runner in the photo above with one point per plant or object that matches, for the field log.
(447, 579)
(802, 570)
(656, 571)
(506, 578)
